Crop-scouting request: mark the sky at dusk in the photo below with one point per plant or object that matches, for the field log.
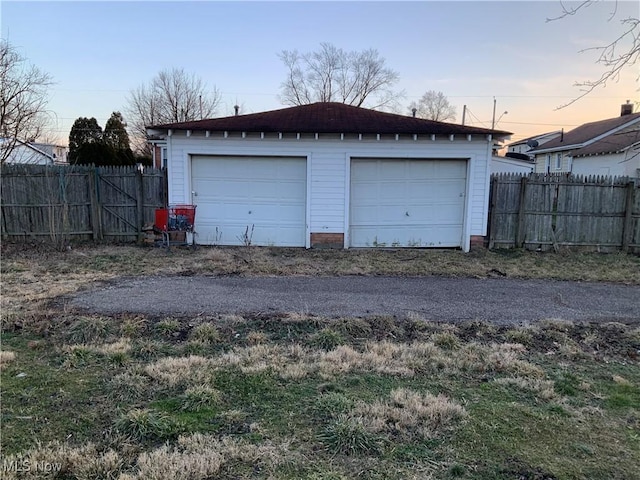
(472, 51)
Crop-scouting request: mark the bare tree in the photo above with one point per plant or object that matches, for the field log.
(434, 106)
(23, 100)
(621, 53)
(332, 75)
(172, 96)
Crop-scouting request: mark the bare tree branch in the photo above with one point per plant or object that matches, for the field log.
(618, 55)
(332, 75)
(434, 106)
(23, 100)
(172, 96)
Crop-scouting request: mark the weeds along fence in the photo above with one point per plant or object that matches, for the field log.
(543, 212)
(61, 203)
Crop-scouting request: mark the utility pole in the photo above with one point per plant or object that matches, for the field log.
(493, 119)
(464, 113)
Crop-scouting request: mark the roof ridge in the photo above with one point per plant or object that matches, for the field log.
(327, 117)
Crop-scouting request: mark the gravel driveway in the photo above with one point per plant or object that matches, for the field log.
(499, 300)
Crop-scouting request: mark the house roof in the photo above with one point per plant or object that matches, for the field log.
(534, 137)
(613, 143)
(31, 146)
(586, 133)
(328, 117)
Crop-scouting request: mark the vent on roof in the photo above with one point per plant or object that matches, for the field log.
(626, 109)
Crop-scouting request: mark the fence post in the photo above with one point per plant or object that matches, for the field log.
(139, 202)
(520, 233)
(492, 211)
(627, 231)
(96, 220)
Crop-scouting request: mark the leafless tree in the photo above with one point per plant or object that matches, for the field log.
(23, 100)
(434, 106)
(621, 53)
(331, 74)
(172, 96)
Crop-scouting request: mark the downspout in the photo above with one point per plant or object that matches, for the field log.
(169, 167)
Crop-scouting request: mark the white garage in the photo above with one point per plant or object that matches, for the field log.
(407, 202)
(330, 175)
(256, 200)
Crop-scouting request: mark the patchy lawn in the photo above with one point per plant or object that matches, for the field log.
(295, 396)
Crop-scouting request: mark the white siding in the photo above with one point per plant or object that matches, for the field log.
(327, 191)
(25, 154)
(329, 157)
(624, 164)
(510, 165)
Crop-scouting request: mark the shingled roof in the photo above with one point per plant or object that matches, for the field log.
(328, 117)
(583, 134)
(616, 142)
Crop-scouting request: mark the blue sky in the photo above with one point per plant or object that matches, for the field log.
(472, 51)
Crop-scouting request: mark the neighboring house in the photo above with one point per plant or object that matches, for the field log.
(606, 147)
(329, 174)
(158, 152)
(511, 164)
(37, 153)
(59, 153)
(525, 145)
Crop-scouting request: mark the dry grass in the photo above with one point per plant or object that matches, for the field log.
(199, 457)
(128, 386)
(56, 459)
(206, 333)
(6, 357)
(116, 352)
(384, 357)
(407, 413)
(173, 371)
(194, 457)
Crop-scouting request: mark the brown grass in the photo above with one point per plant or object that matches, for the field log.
(6, 357)
(408, 412)
(172, 371)
(385, 357)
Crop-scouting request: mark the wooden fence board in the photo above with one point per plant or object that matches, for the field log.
(552, 211)
(79, 202)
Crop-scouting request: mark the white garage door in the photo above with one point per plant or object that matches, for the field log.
(261, 200)
(407, 203)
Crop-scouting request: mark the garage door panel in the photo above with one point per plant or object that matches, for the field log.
(388, 236)
(407, 202)
(236, 195)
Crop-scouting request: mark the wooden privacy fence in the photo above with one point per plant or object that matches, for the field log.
(79, 202)
(542, 212)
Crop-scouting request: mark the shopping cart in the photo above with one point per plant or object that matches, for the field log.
(176, 225)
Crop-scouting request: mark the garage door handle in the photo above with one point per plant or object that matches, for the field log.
(195, 194)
